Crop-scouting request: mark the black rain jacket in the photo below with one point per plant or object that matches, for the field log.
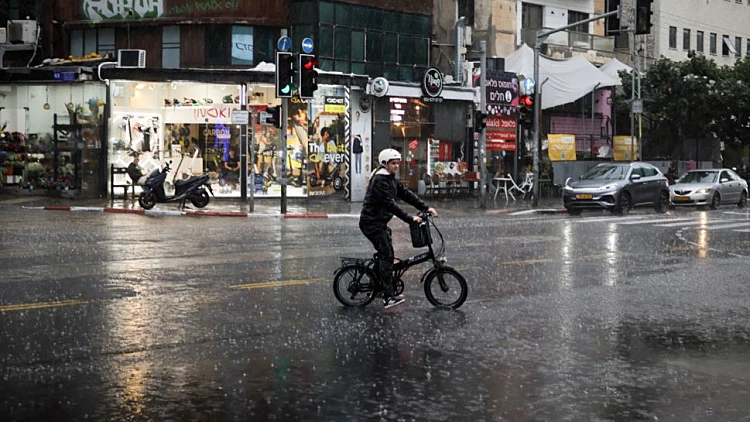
(380, 201)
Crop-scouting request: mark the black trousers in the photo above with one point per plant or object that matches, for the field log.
(380, 237)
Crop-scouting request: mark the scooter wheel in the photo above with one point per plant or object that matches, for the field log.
(200, 199)
(147, 200)
(338, 183)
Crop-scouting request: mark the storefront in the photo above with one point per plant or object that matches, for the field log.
(431, 129)
(52, 131)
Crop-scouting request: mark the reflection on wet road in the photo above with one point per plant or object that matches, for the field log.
(126, 317)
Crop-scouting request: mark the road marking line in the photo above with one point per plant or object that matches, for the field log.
(41, 305)
(726, 226)
(530, 261)
(281, 283)
(606, 219)
(665, 220)
(690, 223)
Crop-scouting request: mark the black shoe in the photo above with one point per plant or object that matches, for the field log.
(392, 301)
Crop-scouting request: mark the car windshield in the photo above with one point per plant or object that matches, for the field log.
(699, 177)
(606, 173)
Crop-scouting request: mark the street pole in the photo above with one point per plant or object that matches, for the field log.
(253, 117)
(631, 36)
(483, 135)
(243, 146)
(640, 115)
(283, 179)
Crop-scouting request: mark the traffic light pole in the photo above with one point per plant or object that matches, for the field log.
(483, 134)
(283, 179)
(541, 36)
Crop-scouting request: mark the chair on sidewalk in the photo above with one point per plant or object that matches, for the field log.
(528, 183)
(515, 187)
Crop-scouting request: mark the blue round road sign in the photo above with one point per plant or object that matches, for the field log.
(307, 45)
(284, 44)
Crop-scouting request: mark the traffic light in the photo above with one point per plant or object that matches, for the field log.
(308, 78)
(643, 16)
(284, 74)
(526, 108)
(612, 23)
(275, 116)
(480, 121)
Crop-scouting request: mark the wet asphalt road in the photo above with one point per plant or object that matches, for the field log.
(592, 318)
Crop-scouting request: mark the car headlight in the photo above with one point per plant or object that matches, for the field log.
(704, 190)
(568, 187)
(608, 187)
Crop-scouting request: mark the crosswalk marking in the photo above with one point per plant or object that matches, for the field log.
(671, 220)
(689, 223)
(727, 226)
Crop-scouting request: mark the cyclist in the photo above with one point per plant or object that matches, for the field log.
(378, 209)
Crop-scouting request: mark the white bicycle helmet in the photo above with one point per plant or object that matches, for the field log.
(387, 155)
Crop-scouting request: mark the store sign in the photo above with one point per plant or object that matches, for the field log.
(413, 144)
(502, 91)
(432, 83)
(501, 146)
(501, 128)
(99, 10)
(217, 114)
(398, 108)
(335, 105)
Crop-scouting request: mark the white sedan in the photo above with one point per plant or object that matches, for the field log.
(712, 187)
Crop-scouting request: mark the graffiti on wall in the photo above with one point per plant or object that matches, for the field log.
(99, 10)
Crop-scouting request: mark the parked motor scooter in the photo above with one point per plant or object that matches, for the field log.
(193, 189)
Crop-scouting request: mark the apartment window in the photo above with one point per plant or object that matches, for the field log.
(15, 11)
(712, 43)
(699, 41)
(672, 37)
(726, 45)
(686, 39)
(85, 41)
(574, 17)
(466, 9)
(531, 16)
(737, 47)
(747, 41)
(170, 47)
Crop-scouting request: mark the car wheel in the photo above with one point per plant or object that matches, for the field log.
(574, 211)
(715, 201)
(662, 204)
(743, 200)
(622, 207)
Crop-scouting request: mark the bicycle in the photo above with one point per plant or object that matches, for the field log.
(356, 282)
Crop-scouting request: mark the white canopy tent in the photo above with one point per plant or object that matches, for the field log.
(613, 67)
(566, 80)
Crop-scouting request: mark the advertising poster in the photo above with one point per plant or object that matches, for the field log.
(561, 147)
(326, 148)
(361, 144)
(624, 149)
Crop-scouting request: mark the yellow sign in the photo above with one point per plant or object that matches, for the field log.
(623, 148)
(561, 147)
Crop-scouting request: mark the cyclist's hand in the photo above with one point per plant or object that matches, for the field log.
(417, 219)
(432, 211)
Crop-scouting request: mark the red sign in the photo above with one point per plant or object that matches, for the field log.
(501, 146)
(503, 128)
(413, 144)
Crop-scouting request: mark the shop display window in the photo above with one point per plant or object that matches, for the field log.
(51, 137)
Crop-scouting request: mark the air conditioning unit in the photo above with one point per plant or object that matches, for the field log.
(131, 58)
(22, 31)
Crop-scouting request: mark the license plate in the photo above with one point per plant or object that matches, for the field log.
(682, 199)
(584, 196)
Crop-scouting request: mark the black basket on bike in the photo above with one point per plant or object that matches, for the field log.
(420, 235)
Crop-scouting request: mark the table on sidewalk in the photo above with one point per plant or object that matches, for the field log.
(504, 181)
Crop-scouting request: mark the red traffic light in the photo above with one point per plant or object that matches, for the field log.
(526, 101)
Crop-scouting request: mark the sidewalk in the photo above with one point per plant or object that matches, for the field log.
(271, 207)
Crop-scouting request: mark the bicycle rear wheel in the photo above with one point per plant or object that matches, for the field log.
(354, 285)
(446, 288)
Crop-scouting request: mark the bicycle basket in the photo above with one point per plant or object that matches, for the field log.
(420, 235)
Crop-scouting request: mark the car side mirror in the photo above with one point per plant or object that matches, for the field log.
(724, 180)
(635, 177)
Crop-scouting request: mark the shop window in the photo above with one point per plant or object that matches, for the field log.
(216, 45)
(374, 43)
(242, 45)
(170, 45)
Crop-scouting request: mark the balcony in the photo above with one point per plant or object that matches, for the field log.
(569, 43)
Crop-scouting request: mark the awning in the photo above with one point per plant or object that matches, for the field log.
(613, 67)
(561, 81)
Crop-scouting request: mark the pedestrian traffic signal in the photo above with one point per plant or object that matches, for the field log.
(308, 78)
(275, 116)
(643, 16)
(526, 108)
(480, 121)
(284, 74)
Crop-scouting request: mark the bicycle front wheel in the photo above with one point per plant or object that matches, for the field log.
(354, 285)
(446, 288)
